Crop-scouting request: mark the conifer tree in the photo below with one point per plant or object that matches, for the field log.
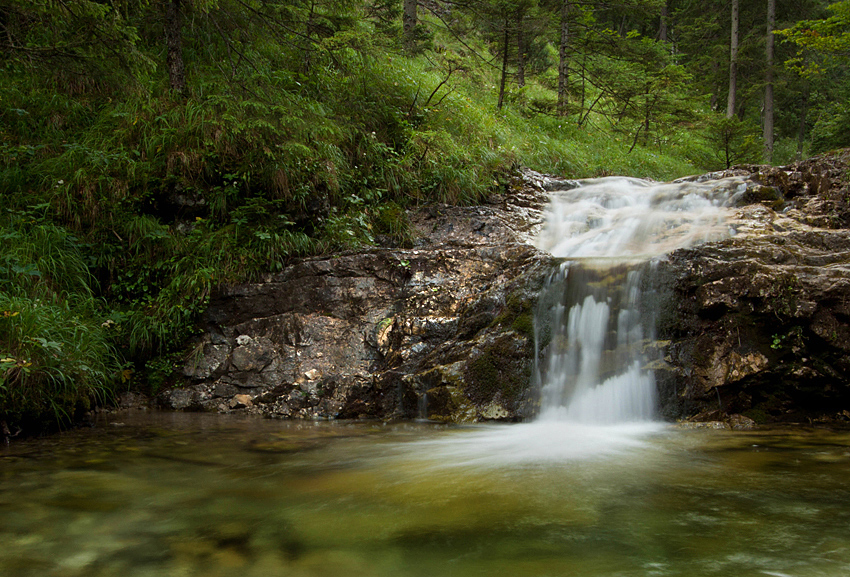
(768, 81)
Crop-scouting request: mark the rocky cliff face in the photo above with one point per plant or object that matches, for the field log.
(756, 324)
(440, 331)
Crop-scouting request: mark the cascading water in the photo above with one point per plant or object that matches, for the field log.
(594, 370)
(594, 323)
(608, 231)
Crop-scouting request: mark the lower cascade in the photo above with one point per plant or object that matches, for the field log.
(595, 371)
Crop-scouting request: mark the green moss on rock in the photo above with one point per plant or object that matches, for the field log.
(449, 404)
(518, 314)
(499, 369)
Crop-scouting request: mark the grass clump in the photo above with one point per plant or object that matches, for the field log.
(56, 352)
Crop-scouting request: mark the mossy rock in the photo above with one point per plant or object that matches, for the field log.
(448, 403)
(518, 314)
(524, 324)
(769, 195)
(500, 369)
(390, 220)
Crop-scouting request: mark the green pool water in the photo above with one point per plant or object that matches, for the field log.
(211, 495)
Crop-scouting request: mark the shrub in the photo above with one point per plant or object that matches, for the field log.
(56, 352)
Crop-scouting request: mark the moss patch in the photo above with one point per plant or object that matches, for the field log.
(518, 314)
(524, 324)
(390, 220)
(500, 369)
(449, 404)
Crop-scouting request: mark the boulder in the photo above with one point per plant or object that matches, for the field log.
(439, 331)
(757, 324)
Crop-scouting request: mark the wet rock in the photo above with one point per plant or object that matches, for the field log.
(718, 419)
(130, 400)
(703, 425)
(179, 399)
(252, 354)
(494, 412)
(740, 422)
(240, 401)
(759, 322)
(225, 390)
(368, 334)
(210, 362)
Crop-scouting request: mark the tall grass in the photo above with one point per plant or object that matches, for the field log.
(56, 353)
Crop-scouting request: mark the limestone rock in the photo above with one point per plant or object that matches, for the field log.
(253, 354)
(239, 401)
(368, 334)
(209, 362)
(130, 400)
(758, 323)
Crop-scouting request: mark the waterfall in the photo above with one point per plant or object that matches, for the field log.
(594, 370)
(609, 231)
(595, 322)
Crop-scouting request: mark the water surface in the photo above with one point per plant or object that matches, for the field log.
(208, 495)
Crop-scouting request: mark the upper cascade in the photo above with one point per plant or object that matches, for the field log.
(629, 219)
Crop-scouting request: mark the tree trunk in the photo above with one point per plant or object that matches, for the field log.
(520, 55)
(308, 34)
(583, 69)
(733, 62)
(662, 26)
(504, 65)
(563, 69)
(768, 83)
(174, 45)
(801, 132)
(715, 85)
(409, 24)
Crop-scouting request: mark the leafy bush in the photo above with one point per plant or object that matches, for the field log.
(832, 128)
(734, 141)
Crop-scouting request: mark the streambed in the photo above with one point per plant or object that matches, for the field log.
(170, 494)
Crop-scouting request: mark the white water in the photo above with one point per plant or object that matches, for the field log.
(631, 220)
(595, 371)
(597, 393)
